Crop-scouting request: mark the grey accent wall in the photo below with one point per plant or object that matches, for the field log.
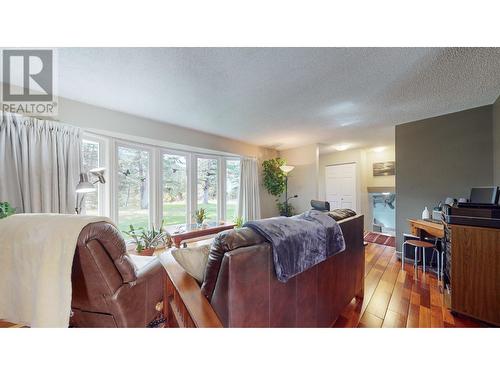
(496, 142)
(440, 157)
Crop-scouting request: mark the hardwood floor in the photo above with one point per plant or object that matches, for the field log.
(4, 324)
(396, 299)
(393, 297)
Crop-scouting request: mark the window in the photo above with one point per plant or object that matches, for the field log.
(232, 188)
(207, 186)
(174, 189)
(90, 160)
(150, 184)
(133, 187)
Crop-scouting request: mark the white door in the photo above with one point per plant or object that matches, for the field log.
(341, 185)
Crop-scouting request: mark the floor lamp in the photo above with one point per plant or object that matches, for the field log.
(287, 169)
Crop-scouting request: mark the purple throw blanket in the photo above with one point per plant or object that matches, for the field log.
(300, 242)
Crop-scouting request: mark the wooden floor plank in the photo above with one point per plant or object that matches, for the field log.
(4, 324)
(372, 253)
(375, 274)
(370, 321)
(400, 298)
(381, 297)
(424, 317)
(394, 320)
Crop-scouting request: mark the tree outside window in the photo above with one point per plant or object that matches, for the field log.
(207, 186)
(232, 189)
(133, 187)
(174, 188)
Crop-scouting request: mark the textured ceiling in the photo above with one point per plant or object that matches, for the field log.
(284, 97)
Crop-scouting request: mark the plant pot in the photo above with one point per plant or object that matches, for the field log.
(147, 252)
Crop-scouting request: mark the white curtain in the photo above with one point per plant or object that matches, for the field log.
(39, 164)
(249, 198)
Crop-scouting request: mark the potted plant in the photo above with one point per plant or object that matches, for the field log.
(238, 222)
(284, 210)
(200, 216)
(274, 180)
(149, 240)
(6, 210)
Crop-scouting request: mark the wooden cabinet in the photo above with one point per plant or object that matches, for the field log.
(475, 272)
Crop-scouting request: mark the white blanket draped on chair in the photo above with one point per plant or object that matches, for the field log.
(39, 164)
(36, 256)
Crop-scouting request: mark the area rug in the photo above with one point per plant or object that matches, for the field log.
(381, 239)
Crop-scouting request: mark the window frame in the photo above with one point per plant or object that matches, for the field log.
(166, 151)
(194, 192)
(108, 193)
(226, 159)
(102, 190)
(152, 183)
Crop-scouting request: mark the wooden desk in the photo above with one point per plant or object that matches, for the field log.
(423, 228)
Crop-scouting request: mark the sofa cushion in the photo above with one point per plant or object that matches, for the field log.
(224, 242)
(341, 213)
(193, 260)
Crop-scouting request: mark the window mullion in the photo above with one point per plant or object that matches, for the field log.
(156, 198)
(193, 187)
(222, 190)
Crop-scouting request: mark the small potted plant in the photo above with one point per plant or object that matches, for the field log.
(238, 222)
(6, 210)
(200, 216)
(147, 241)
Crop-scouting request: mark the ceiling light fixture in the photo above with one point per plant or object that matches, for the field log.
(379, 149)
(342, 147)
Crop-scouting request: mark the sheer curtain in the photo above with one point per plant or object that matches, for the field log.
(39, 164)
(249, 198)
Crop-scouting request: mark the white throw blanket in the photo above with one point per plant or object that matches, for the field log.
(36, 256)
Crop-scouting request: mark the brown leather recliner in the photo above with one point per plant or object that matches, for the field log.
(108, 290)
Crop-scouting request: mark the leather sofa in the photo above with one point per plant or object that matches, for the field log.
(240, 288)
(108, 289)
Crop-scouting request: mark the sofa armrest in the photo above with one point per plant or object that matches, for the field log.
(151, 267)
(184, 303)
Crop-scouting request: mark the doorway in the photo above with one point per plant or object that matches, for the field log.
(340, 188)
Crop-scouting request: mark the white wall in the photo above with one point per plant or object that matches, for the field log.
(303, 180)
(122, 125)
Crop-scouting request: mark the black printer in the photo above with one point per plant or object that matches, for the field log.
(482, 210)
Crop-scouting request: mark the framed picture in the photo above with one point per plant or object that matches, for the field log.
(386, 168)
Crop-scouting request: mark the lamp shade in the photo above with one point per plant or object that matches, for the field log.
(287, 168)
(84, 186)
(99, 173)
